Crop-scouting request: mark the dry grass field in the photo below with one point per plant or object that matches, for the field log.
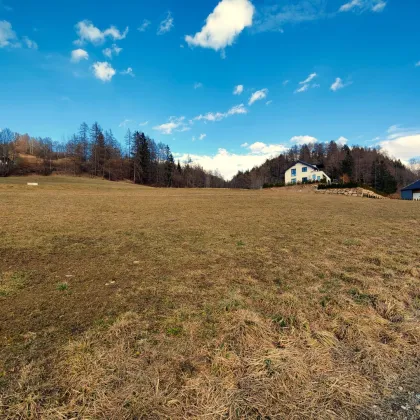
(125, 302)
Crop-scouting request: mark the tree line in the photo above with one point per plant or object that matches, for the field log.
(361, 165)
(139, 158)
(97, 152)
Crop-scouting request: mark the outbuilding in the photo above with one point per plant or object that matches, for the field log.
(411, 192)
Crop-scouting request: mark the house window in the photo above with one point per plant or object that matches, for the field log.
(314, 177)
(293, 180)
(294, 172)
(318, 178)
(305, 179)
(305, 169)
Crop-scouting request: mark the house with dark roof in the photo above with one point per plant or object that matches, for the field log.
(301, 172)
(411, 192)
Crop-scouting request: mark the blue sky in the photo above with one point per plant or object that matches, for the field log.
(347, 70)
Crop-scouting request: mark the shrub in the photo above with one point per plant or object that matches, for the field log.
(338, 186)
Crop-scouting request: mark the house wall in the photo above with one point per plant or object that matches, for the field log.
(407, 195)
(309, 174)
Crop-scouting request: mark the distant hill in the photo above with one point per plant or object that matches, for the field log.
(366, 166)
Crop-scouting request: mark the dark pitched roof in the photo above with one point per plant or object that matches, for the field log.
(303, 163)
(413, 186)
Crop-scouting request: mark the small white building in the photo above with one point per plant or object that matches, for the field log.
(302, 172)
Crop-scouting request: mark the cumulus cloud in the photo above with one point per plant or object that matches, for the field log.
(218, 116)
(342, 140)
(198, 85)
(223, 25)
(142, 124)
(418, 64)
(258, 96)
(259, 148)
(142, 28)
(87, 32)
(238, 89)
(78, 55)
(405, 147)
(303, 140)
(166, 25)
(269, 102)
(174, 124)
(103, 71)
(128, 72)
(110, 52)
(7, 34)
(8, 37)
(228, 164)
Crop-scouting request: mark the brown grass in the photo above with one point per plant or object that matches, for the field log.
(124, 302)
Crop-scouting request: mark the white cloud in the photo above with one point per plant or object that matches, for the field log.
(306, 83)
(266, 149)
(309, 79)
(29, 43)
(78, 55)
(113, 50)
(338, 84)
(87, 32)
(303, 88)
(128, 72)
(303, 140)
(350, 5)
(218, 116)
(142, 28)
(379, 7)
(275, 17)
(418, 64)
(404, 148)
(142, 124)
(7, 34)
(393, 129)
(342, 140)
(286, 82)
(166, 25)
(228, 164)
(198, 85)
(244, 144)
(202, 136)
(174, 124)
(223, 25)
(363, 5)
(238, 89)
(125, 123)
(257, 96)
(269, 102)
(8, 37)
(103, 71)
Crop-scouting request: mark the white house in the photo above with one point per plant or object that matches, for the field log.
(302, 172)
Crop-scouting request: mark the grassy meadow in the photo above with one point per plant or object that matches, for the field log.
(126, 302)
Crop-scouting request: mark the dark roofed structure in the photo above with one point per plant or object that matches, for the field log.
(411, 192)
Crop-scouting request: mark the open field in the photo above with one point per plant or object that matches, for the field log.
(127, 302)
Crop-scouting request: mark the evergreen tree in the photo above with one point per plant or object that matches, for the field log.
(347, 163)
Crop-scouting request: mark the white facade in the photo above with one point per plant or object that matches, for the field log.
(302, 172)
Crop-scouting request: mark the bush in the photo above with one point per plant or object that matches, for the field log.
(336, 185)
